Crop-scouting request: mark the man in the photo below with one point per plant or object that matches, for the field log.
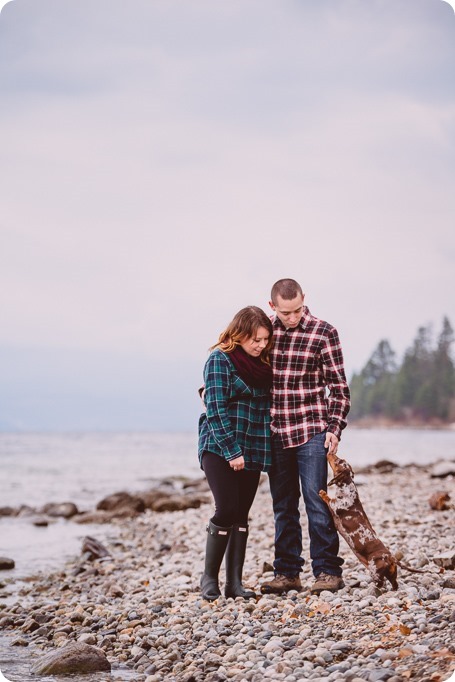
(310, 402)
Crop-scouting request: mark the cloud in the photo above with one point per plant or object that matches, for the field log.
(163, 163)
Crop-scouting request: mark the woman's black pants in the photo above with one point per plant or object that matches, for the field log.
(233, 491)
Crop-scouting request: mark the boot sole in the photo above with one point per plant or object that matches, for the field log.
(272, 591)
(327, 589)
(211, 598)
(243, 596)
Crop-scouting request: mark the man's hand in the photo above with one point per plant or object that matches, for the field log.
(331, 442)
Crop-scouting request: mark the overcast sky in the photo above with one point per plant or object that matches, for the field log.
(163, 162)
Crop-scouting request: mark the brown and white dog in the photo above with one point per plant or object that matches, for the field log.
(353, 525)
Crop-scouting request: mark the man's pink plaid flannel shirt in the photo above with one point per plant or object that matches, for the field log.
(310, 392)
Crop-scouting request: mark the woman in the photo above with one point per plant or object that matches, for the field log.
(234, 442)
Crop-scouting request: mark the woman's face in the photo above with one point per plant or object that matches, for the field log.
(254, 345)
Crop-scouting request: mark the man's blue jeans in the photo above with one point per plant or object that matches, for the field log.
(309, 463)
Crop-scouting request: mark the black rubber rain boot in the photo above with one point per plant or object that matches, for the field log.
(235, 558)
(217, 540)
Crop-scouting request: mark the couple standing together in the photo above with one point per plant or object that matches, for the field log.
(276, 400)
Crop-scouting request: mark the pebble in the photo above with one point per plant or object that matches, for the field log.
(142, 605)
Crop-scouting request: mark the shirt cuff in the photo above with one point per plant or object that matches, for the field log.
(335, 429)
(233, 455)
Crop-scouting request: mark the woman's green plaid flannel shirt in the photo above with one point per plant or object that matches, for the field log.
(237, 417)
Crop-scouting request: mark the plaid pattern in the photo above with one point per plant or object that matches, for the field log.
(305, 361)
(237, 417)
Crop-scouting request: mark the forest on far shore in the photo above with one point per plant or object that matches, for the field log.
(420, 390)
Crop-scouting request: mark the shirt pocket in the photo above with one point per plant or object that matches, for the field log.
(239, 387)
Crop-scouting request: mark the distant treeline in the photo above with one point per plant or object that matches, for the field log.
(421, 389)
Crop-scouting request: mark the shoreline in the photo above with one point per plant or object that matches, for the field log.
(142, 606)
(414, 425)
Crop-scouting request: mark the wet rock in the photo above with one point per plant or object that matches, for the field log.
(7, 511)
(199, 484)
(65, 510)
(151, 497)
(6, 564)
(177, 503)
(25, 510)
(385, 466)
(93, 548)
(30, 625)
(40, 522)
(75, 657)
(98, 517)
(123, 502)
(443, 469)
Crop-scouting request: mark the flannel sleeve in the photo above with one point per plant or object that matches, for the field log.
(339, 399)
(217, 377)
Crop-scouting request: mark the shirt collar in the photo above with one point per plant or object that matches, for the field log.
(306, 317)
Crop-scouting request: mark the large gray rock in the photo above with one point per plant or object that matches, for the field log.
(443, 469)
(76, 657)
(199, 484)
(122, 502)
(178, 503)
(98, 517)
(7, 511)
(6, 564)
(64, 509)
(151, 497)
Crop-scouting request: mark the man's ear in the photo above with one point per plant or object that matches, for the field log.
(272, 305)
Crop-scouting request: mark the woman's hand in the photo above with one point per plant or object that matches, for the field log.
(237, 464)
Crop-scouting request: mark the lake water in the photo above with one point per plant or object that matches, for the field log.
(36, 468)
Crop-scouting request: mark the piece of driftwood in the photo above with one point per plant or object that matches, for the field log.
(94, 548)
(440, 501)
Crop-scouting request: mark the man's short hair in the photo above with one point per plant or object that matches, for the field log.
(287, 289)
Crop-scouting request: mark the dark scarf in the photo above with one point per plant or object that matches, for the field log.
(252, 370)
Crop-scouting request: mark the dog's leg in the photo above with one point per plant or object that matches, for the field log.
(323, 495)
(333, 461)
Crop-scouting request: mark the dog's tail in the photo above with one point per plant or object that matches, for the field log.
(414, 570)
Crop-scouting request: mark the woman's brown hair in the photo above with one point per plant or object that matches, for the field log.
(245, 325)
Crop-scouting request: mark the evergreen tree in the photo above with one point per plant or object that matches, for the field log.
(412, 391)
(422, 388)
(444, 372)
(371, 388)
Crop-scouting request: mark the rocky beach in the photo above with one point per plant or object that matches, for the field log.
(131, 609)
